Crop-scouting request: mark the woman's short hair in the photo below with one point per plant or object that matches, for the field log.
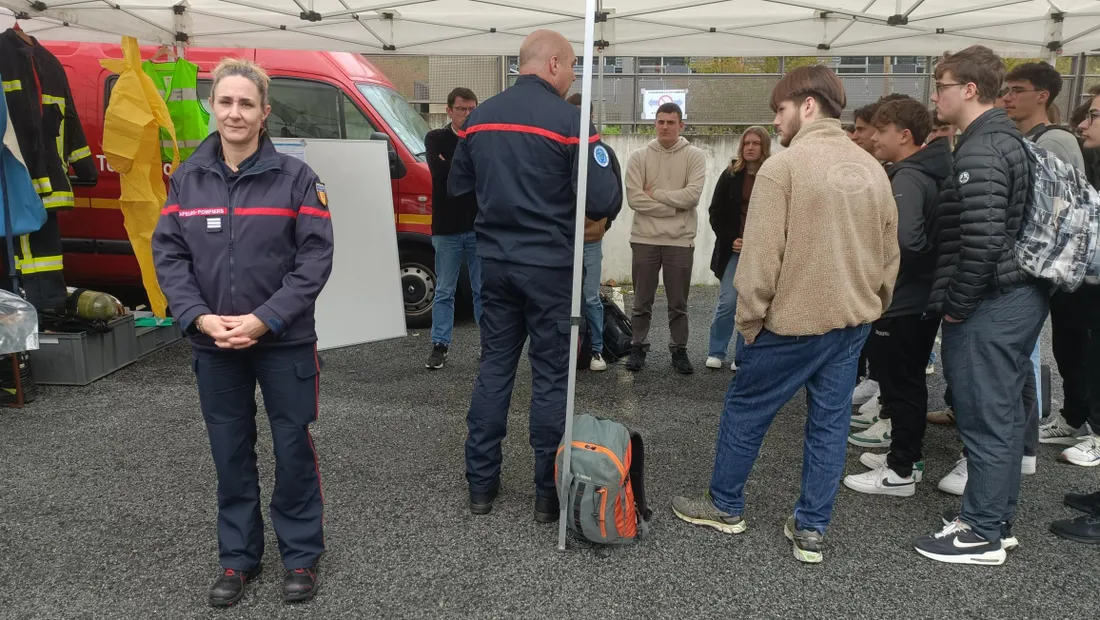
(229, 67)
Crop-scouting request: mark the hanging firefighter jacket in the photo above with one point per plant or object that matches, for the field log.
(178, 82)
(51, 140)
(45, 119)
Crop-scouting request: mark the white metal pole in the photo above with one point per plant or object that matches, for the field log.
(578, 261)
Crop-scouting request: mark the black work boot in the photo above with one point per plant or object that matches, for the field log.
(481, 502)
(680, 361)
(228, 588)
(547, 509)
(636, 361)
(300, 584)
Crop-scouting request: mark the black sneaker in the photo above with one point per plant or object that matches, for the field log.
(1088, 504)
(228, 588)
(636, 361)
(547, 509)
(300, 584)
(1008, 541)
(1083, 529)
(481, 502)
(958, 544)
(438, 356)
(681, 363)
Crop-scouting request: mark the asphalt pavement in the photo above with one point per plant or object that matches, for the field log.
(108, 507)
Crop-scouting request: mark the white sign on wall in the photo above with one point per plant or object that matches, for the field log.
(653, 99)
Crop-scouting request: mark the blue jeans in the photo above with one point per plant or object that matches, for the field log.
(722, 326)
(449, 252)
(593, 307)
(771, 370)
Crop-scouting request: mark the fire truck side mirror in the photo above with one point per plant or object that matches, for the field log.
(397, 167)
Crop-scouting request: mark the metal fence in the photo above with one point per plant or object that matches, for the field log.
(715, 102)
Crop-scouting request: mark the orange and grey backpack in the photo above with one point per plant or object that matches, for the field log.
(606, 486)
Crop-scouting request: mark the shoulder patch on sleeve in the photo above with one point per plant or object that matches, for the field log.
(322, 197)
(599, 153)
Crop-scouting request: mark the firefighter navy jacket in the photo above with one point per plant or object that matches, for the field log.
(44, 118)
(518, 151)
(258, 241)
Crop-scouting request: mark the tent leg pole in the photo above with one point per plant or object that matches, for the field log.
(578, 265)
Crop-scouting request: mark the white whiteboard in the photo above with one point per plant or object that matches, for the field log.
(362, 301)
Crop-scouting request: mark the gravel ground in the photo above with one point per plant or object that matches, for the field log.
(109, 507)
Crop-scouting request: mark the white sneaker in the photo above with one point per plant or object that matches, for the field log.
(875, 460)
(597, 364)
(955, 482)
(882, 481)
(930, 369)
(1086, 453)
(867, 414)
(714, 362)
(1058, 431)
(733, 366)
(1028, 465)
(864, 392)
(878, 436)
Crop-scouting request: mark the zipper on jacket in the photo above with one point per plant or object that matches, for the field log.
(232, 208)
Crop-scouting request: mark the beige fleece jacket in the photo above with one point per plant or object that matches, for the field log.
(676, 176)
(821, 240)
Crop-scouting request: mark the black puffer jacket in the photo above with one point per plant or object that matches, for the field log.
(916, 182)
(981, 207)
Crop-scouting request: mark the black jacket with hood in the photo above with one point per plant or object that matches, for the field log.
(979, 217)
(916, 182)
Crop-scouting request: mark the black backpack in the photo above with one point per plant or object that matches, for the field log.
(617, 334)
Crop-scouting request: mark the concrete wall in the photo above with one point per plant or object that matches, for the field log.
(616, 244)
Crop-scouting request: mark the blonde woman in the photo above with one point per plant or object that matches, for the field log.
(243, 248)
(728, 209)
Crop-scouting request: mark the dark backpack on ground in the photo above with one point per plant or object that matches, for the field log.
(617, 334)
(606, 501)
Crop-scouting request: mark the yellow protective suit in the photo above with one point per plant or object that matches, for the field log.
(131, 143)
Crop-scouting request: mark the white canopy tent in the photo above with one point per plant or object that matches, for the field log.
(1030, 28)
(627, 27)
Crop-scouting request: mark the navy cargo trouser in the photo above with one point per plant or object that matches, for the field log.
(518, 301)
(289, 379)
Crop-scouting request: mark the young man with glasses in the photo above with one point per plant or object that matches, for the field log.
(992, 311)
(452, 227)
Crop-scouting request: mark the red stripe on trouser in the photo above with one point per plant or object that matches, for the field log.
(316, 414)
